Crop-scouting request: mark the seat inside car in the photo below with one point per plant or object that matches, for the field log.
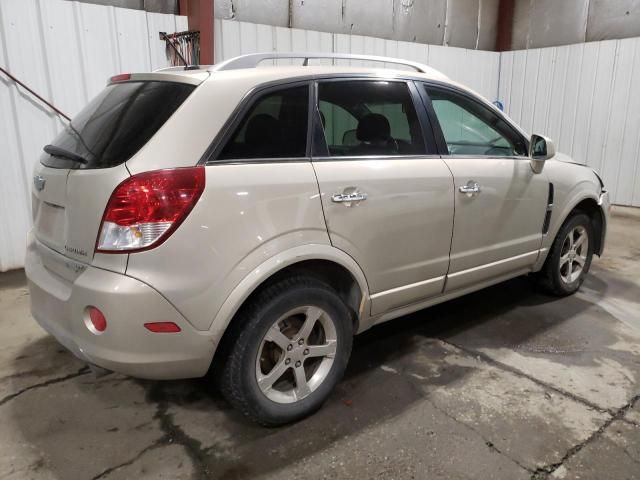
(262, 134)
(374, 135)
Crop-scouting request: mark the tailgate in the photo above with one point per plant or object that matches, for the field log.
(67, 214)
(85, 163)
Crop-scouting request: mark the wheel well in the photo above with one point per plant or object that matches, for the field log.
(592, 209)
(331, 273)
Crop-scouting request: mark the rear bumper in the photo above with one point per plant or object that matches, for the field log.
(126, 346)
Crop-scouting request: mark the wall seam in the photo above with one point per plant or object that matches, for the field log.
(575, 110)
(445, 40)
(479, 23)
(554, 57)
(535, 94)
(593, 92)
(564, 96)
(146, 24)
(524, 81)
(611, 90)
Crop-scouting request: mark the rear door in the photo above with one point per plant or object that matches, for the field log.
(85, 162)
(500, 203)
(387, 197)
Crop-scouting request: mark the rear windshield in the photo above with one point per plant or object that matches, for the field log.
(117, 123)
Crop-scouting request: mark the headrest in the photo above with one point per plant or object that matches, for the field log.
(261, 129)
(373, 127)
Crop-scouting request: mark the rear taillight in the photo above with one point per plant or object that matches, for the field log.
(145, 209)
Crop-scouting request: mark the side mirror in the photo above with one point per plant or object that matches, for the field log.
(541, 149)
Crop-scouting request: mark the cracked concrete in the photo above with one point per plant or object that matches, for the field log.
(505, 383)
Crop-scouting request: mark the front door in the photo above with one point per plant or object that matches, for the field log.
(500, 203)
(387, 198)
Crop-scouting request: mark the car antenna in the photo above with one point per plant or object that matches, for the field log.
(165, 37)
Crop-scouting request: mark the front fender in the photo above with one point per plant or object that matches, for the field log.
(264, 271)
(576, 195)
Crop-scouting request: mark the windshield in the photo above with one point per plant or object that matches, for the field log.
(117, 123)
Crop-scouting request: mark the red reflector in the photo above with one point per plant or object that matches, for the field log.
(123, 77)
(97, 319)
(162, 327)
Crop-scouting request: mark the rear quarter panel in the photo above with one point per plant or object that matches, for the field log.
(186, 135)
(247, 214)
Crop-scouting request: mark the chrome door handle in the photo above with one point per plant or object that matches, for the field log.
(348, 198)
(470, 188)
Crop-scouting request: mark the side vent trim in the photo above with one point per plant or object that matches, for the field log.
(547, 216)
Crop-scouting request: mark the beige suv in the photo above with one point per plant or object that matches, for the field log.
(250, 220)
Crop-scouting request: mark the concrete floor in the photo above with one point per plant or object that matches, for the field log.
(505, 383)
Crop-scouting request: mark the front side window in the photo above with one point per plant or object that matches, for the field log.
(274, 127)
(469, 128)
(361, 118)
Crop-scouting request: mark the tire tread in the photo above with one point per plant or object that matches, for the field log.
(546, 278)
(241, 335)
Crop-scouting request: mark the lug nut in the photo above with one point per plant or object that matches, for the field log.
(306, 351)
(298, 363)
(287, 361)
(301, 341)
(289, 347)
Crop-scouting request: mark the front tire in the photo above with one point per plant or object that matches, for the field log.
(290, 348)
(570, 257)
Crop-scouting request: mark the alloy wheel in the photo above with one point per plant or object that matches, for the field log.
(573, 255)
(296, 354)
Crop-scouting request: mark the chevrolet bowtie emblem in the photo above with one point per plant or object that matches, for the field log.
(38, 182)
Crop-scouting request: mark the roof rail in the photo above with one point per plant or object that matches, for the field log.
(180, 68)
(169, 69)
(252, 60)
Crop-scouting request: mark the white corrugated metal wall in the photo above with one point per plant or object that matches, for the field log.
(586, 97)
(580, 95)
(475, 68)
(65, 51)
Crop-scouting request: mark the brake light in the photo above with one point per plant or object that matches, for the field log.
(123, 77)
(145, 209)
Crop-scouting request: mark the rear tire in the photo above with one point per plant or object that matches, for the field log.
(289, 348)
(570, 257)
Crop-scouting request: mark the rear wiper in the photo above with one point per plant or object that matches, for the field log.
(61, 152)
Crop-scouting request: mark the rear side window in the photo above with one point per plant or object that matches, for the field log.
(362, 118)
(117, 123)
(274, 127)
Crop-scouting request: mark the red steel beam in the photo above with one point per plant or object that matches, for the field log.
(200, 17)
(505, 25)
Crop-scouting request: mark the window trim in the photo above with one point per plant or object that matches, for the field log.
(435, 122)
(422, 102)
(210, 157)
(426, 129)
